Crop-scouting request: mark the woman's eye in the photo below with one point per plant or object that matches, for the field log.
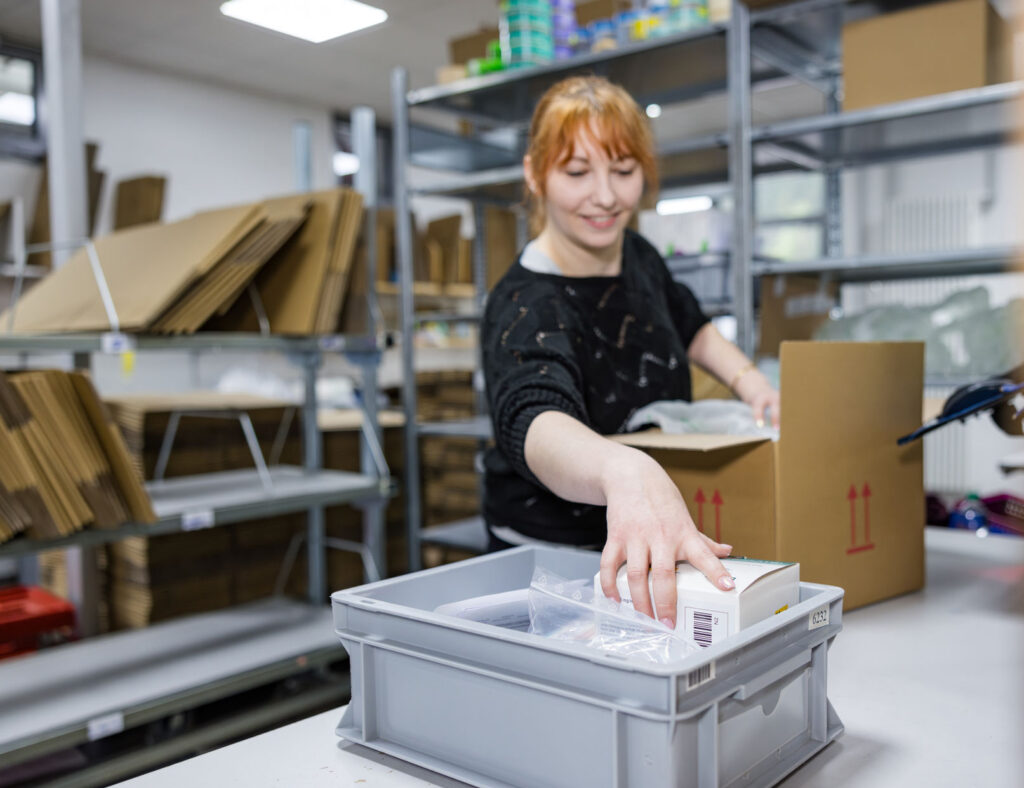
(575, 173)
(627, 173)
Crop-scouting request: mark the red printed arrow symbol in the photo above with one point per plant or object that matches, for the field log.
(700, 499)
(717, 501)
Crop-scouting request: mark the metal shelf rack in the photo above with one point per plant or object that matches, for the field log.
(96, 687)
(798, 41)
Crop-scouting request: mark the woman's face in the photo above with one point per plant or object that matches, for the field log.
(591, 197)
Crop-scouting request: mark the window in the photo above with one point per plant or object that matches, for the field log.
(21, 127)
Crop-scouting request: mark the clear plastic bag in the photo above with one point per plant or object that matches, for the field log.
(721, 416)
(570, 610)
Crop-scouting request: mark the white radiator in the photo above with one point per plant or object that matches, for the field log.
(958, 458)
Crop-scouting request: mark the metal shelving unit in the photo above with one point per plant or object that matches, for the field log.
(795, 42)
(97, 687)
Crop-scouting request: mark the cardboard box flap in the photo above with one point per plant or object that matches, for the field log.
(825, 384)
(656, 439)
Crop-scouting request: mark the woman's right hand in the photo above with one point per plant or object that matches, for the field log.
(650, 529)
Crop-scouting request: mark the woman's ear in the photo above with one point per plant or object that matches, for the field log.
(531, 181)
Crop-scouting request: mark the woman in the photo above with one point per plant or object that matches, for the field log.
(586, 327)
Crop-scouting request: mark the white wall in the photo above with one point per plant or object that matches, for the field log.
(216, 145)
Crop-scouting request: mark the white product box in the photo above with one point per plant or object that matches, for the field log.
(707, 615)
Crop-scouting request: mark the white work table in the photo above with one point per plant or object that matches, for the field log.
(930, 687)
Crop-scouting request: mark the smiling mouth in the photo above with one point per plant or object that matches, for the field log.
(601, 222)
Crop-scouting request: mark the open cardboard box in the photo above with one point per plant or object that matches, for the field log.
(834, 493)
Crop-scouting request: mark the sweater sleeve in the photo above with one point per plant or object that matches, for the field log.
(530, 364)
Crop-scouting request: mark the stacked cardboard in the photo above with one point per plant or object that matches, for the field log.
(139, 201)
(180, 277)
(62, 465)
(450, 483)
(302, 291)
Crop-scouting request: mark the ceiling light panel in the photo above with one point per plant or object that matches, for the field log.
(311, 20)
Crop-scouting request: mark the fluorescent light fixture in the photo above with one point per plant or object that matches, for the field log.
(345, 163)
(653, 111)
(683, 205)
(311, 20)
(18, 109)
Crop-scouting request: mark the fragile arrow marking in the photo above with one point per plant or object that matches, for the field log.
(851, 496)
(700, 499)
(717, 501)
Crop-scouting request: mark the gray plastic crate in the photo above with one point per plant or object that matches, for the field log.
(495, 707)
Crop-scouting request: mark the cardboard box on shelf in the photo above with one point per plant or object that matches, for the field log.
(835, 493)
(500, 242)
(464, 48)
(937, 48)
(139, 201)
(792, 308)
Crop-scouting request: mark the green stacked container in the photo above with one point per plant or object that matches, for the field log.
(526, 33)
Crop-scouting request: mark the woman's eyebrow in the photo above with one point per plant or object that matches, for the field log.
(582, 159)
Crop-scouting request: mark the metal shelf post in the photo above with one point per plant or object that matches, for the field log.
(403, 242)
(741, 173)
(312, 448)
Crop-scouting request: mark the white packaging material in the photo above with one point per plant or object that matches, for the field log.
(509, 609)
(707, 615)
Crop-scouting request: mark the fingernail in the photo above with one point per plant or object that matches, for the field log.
(668, 622)
(726, 583)
(728, 547)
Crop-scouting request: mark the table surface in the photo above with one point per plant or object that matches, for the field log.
(930, 687)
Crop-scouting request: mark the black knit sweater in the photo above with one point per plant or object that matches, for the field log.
(596, 348)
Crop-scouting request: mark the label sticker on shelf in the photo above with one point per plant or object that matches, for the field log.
(332, 343)
(197, 519)
(818, 618)
(107, 725)
(116, 342)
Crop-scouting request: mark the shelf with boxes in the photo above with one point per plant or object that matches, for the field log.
(922, 110)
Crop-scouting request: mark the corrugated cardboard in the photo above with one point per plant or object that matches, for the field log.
(464, 48)
(936, 48)
(39, 229)
(500, 242)
(139, 201)
(835, 493)
(147, 268)
(792, 308)
(294, 285)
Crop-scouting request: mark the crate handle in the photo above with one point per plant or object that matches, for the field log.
(750, 688)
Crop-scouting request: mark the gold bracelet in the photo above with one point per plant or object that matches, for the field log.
(740, 374)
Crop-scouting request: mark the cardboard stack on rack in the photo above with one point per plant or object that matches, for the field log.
(451, 485)
(139, 201)
(157, 578)
(63, 465)
(180, 277)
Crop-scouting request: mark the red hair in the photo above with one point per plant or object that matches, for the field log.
(586, 105)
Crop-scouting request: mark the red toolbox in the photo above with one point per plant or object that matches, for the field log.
(29, 616)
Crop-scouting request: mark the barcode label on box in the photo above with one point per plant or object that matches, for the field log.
(705, 627)
(818, 618)
(116, 342)
(197, 519)
(107, 725)
(701, 675)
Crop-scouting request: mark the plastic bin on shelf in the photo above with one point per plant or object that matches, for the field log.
(28, 614)
(497, 707)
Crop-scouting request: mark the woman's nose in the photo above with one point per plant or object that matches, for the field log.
(604, 195)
